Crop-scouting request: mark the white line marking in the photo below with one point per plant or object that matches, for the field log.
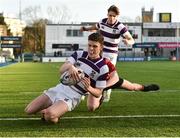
(97, 117)
(115, 90)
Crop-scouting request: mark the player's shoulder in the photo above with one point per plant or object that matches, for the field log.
(120, 25)
(106, 60)
(102, 61)
(81, 53)
(104, 20)
(109, 64)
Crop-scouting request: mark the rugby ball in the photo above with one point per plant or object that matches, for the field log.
(66, 79)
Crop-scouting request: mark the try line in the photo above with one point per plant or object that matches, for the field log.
(97, 117)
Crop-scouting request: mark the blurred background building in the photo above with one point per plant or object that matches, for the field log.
(154, 40)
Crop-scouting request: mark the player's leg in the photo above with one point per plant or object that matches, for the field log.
(55, 111)
(125, 84)
(113, 58)
(107, 95)
(64, 99)
(131, 86)
(38, 104)
(93, 102)
(138, 87)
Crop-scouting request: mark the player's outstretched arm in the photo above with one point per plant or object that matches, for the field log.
(91, 28)
(128, 39)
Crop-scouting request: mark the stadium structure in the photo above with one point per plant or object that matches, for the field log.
(154, 40)
(158, 40)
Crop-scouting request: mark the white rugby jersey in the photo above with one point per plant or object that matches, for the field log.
(112, 34)
(97, 70)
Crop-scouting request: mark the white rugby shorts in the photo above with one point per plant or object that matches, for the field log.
(64, 93)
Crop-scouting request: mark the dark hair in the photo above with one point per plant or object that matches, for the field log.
(97, 37)
(115, 9)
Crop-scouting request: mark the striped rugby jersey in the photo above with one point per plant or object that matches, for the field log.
(112, 34)
(97, 70)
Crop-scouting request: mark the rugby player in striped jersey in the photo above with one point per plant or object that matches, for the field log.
(58, 100)
(112, 30)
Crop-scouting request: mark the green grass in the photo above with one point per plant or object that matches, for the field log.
(22, 82)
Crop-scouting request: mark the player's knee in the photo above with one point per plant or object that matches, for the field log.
(92, 108)
(51, 118)
(28, 110)
(50, 115)
(54, 120)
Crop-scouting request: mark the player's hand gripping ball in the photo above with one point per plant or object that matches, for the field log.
(66, 79)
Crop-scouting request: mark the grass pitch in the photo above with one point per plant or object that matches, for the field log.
(22, 82)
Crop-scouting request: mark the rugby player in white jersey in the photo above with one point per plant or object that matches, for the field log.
(112, 30)
(58, 100)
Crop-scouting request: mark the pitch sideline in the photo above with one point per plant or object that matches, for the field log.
(96, 117)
